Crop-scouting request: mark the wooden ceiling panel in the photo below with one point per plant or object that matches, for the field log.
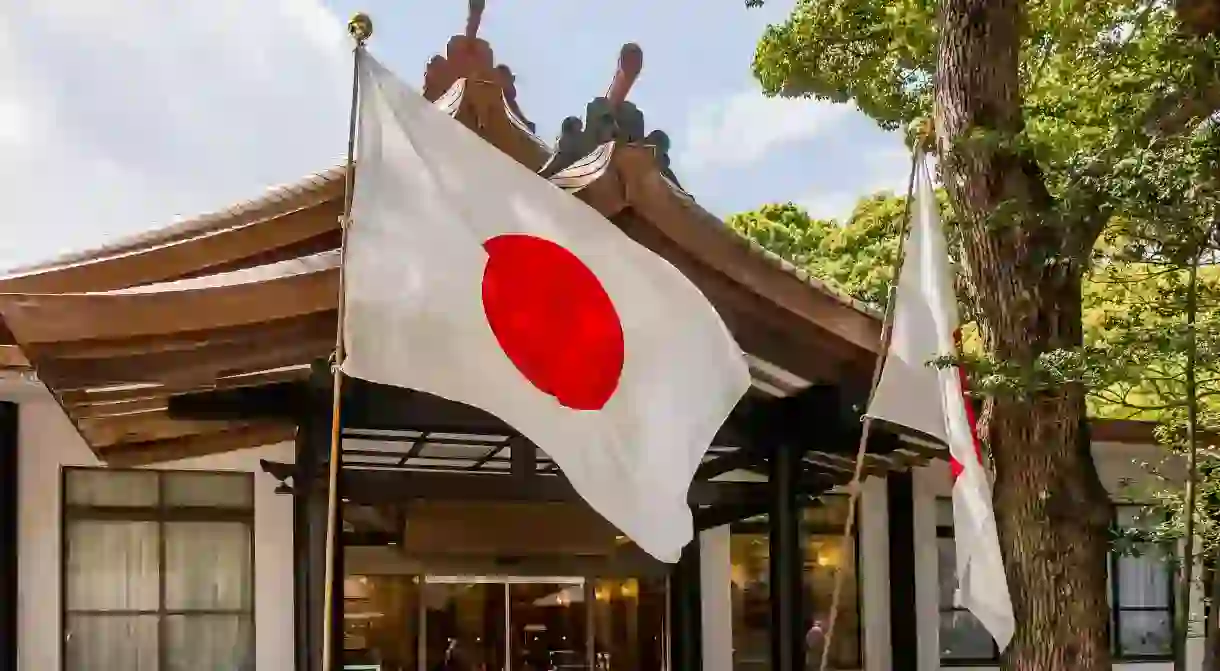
(103, 433)
(193, 367)
(309, 326)
(160, 451)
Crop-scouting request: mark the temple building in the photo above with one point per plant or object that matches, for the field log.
(164, 442)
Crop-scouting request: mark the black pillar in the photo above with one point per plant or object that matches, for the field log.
(686, 611)
(336, 619)
(787, 562)
(8, 536)
(904, 636)
(302, 486)
(317, 584)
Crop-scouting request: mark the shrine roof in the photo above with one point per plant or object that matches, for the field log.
(246, 297)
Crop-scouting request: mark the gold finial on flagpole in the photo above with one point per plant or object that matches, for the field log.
(921, 135)
(360, 27)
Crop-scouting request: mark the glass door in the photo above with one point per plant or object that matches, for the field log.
(549, 626)
(465, 624)
(478, 623)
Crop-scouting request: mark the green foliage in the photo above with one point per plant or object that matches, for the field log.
(1135, 335)
(1087, 68)
(857, 257)
(1102, 89)
(1134, 330)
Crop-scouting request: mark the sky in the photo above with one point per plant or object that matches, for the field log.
(118, 116)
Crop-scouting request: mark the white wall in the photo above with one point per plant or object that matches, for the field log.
(1116, 465)
(47, 443)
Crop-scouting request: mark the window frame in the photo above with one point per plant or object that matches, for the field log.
(754, 525)
(161, 514)
(947, 532)
(1115, 594)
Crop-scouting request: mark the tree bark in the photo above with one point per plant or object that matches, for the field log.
(1024, 269)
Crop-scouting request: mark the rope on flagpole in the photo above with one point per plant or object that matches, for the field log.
(360, 27)
(854, 489)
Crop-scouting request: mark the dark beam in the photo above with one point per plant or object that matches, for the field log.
(739, 459)
(300, 550)
(279, 400)
(370, 538)
(9, 553)
(369, 486)
(718, 516)
(366, 406)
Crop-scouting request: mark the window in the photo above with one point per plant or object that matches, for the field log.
(158, 571)
(1141, 598)
(1141, 592)
(749, 552)
(963, 640)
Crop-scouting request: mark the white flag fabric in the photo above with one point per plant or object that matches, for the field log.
(472, 278)
(914, 393)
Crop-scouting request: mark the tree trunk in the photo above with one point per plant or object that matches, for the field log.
(1052, 512)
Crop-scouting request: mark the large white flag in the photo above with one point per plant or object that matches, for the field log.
(472, 278)
(914, 393)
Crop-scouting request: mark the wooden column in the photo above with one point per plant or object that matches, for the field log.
(336, 621)
(303, 569)
(686, 611)
(904, 635)
(9, 454)
(786, 561)
(317, 566)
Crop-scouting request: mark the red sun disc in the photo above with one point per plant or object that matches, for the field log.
(553, 319)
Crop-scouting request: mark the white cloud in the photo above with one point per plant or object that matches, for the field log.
(884, 168)
(117, 121)
(743, 128)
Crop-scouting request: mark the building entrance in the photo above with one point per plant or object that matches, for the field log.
(503, 623)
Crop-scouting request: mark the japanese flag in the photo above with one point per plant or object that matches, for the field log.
(472, 278)
(914, 393)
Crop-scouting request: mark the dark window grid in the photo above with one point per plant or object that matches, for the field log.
(990, 660)
(162, 514)
(818, 529)
(1116, 611)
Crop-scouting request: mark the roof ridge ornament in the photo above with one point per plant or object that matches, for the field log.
(611, 118)
(474, 17)
(467, 56)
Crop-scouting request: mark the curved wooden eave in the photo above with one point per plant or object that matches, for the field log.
(282, 217)
(39, 320)
(620, 178)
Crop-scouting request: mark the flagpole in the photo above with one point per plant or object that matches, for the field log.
(887, 325)
(360, 27)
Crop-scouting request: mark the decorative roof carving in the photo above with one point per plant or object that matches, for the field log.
(611, 118)
(468, 57)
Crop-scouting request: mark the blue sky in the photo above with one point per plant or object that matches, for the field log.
(120, 118)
